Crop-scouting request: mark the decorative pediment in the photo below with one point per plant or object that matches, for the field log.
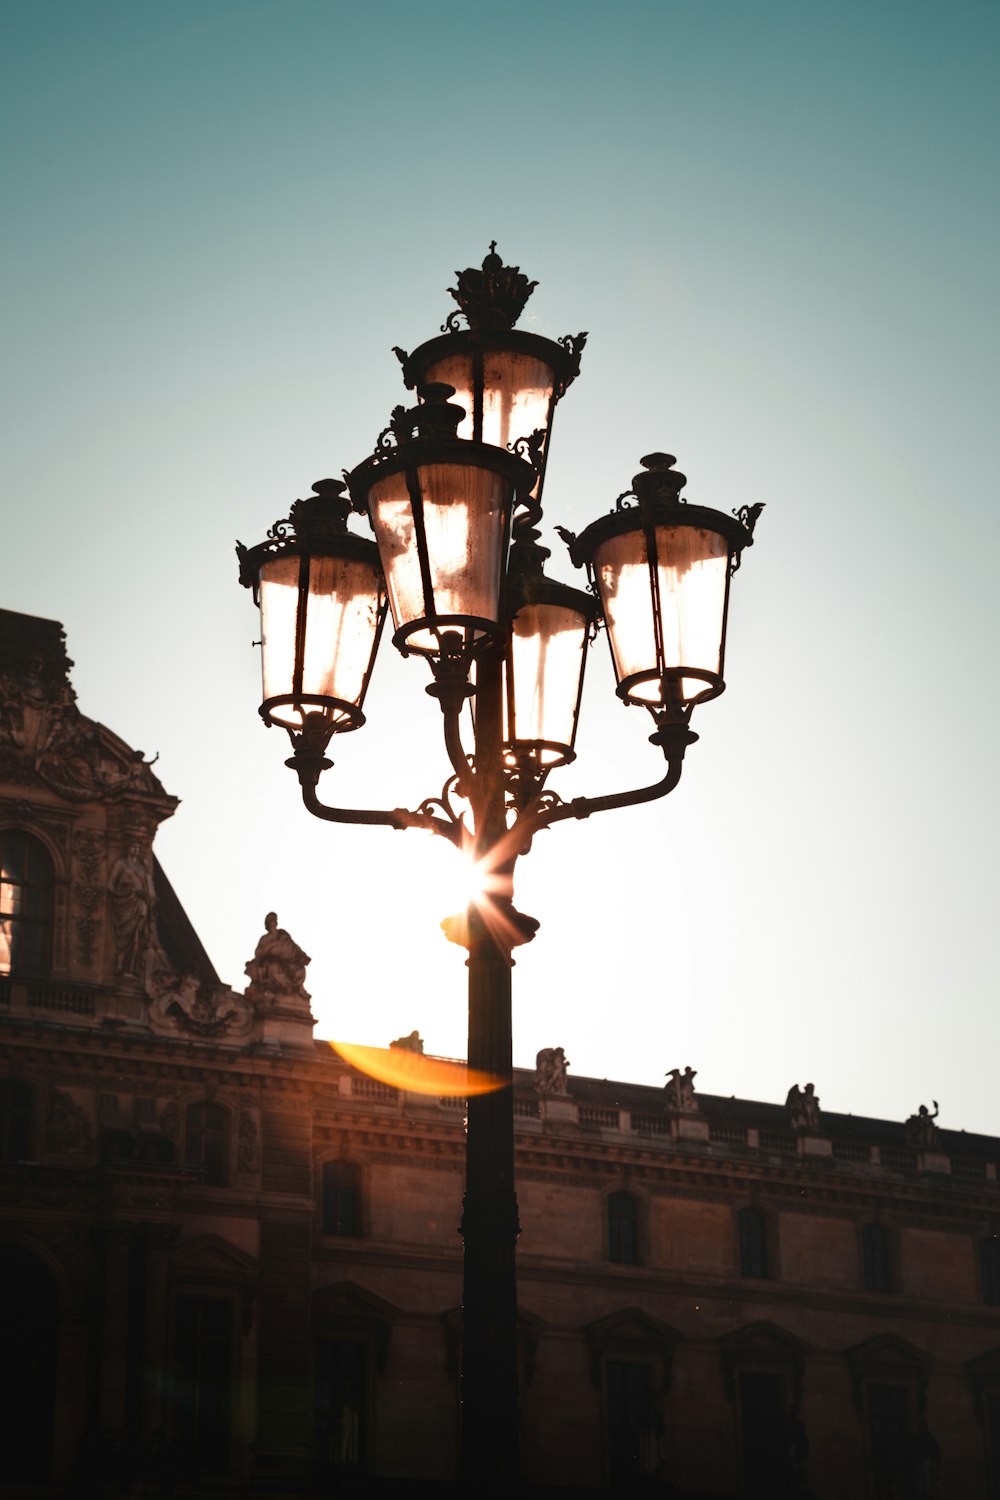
(345, 1307)
(886, 1357)
(762, 1344)
(629, 1332)
(210, 1261)
(211, 1258)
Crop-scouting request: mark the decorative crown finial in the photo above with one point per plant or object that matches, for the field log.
(659, 479)
(492, 297)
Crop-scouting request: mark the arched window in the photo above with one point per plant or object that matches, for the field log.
(989, 1269)
(753, 1242)
(17, 1103)
(26, 882)
(875, 1250)
(623, 1229)
(206, 1142)
(341, 1198)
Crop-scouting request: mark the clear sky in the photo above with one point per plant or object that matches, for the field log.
(778, 221)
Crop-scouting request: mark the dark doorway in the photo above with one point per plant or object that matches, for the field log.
(203, 1358)
(764, 1423)
(27, 1364)
(341, 1406)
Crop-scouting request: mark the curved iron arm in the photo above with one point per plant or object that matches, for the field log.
(399, 817)
(673, 739)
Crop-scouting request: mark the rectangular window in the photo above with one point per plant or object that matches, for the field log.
(341, 1198)
(989, 1267)
(875, 1245)
(635, 1425)
(753, 1243)
(623, 1238)
(889, 1436)
(203, 1352)
(341, 1406)
(764, 1429)
(991, 1411)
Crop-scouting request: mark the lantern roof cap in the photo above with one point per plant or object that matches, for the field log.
(493, 297)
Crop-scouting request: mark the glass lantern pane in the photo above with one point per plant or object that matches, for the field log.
(341, 623)
(547, 646)
(465, 520)
(341, 627)
(692, 569)
(279, 598)
(517, 393)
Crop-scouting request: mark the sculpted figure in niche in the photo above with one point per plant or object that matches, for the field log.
(278, 967)
(920, 1128)
(680, 1089)
(550, 1071)
(803, 1107)
(133, 901)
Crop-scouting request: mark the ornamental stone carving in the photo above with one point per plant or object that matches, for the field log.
(680, 1091)
(803, 1107)
(133, 905)
(277, 970)
(920, 1128)
(412, 1043)
(550, 1072)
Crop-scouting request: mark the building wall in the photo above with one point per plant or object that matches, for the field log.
(133, 1253)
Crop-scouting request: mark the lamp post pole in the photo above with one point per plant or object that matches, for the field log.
(490, 1226)
(453, 496)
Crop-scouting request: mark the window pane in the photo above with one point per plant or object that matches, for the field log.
(623, 1239)
(876, 1255)
(889, 1439)
(753, 1242)
(765, 1428)
(635, 1424)
(341, 1406)
(341, 1198)
(206, 1144)
(202, 1394)
(26, 881)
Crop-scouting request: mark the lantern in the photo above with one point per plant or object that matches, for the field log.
(441, 512)
(662, 569)
(550, 624)
(507, 380)
(322, 605)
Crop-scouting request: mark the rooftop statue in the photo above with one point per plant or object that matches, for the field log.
(803, 1107)
(550, 1071)
(277, 970)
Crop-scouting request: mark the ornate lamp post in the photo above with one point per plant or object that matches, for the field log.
(452, 493)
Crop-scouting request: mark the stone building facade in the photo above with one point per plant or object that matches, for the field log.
(229, 1254)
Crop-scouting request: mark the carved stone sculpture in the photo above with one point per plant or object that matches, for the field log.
(920, 1128)
(803, 1107)
(133, 902)
(550, 1071)
(680, 1091)
(412, 1043)
(278, 968)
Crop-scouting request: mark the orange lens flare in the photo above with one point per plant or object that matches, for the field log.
(416, 1073)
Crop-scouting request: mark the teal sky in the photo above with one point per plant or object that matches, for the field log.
(779, 224)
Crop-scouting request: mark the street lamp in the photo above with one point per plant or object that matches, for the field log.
(453, 496)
